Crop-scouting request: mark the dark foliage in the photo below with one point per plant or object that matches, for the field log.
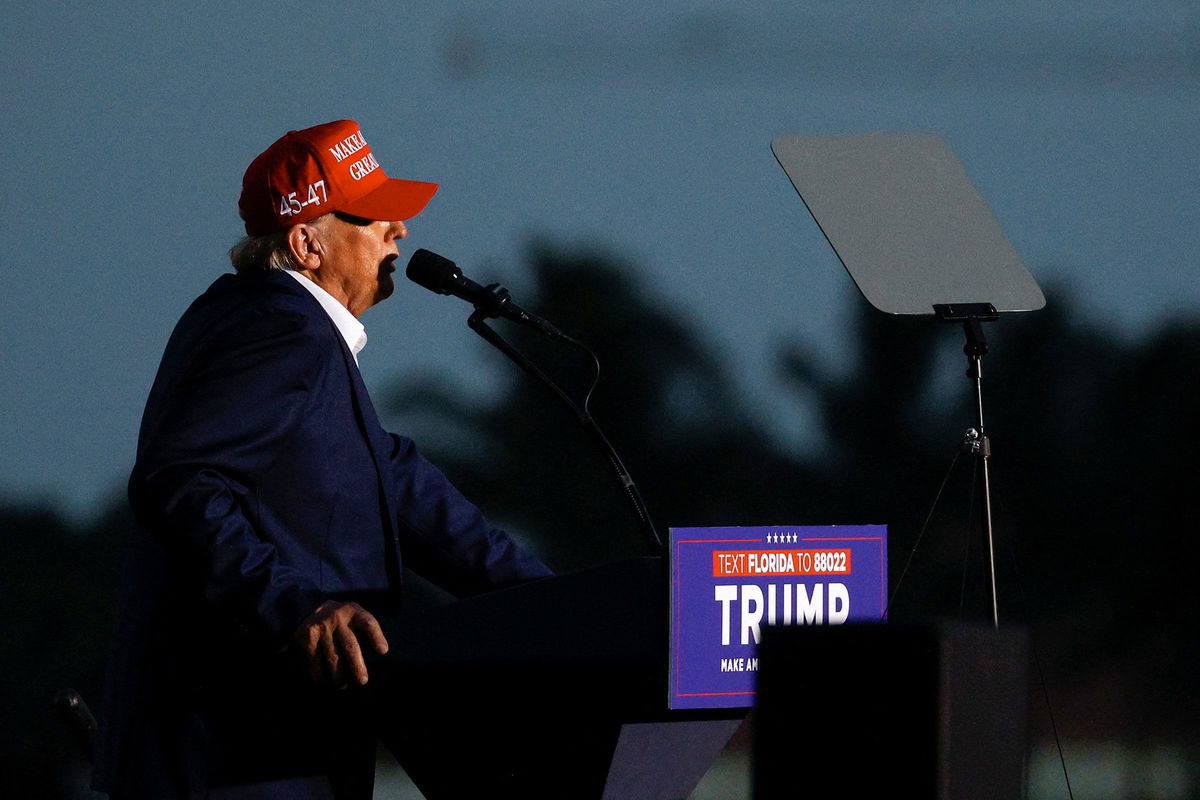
(58, 586)
(1094, 443)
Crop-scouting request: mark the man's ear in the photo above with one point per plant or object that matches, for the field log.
(305, 246)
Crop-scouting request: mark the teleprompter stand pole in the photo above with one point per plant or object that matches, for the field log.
(975, 440)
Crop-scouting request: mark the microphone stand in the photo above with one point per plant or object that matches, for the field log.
(476, 323)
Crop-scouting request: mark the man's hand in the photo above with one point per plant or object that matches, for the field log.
(330, 639)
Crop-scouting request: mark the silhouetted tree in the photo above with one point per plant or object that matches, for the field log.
(57, 591)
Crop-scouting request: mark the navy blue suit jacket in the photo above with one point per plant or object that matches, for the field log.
(264, 484)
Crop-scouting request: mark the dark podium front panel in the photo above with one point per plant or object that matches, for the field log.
(883, 711)
(556, 688)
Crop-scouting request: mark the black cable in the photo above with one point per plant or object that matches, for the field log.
(937, 499)
(477, 324)
(1037, 662)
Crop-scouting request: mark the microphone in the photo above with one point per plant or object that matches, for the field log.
(441, 275)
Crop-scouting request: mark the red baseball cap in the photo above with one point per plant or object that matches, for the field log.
(326, 168)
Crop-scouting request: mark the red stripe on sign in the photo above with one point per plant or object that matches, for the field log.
(766, 563)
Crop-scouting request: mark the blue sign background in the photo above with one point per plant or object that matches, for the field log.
(707, 673)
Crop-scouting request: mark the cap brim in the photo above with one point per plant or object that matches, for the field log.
(394, 199)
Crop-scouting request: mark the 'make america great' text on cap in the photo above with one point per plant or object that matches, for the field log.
(326, 168)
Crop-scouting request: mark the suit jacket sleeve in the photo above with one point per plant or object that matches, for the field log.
(445, 537)
(222, 416)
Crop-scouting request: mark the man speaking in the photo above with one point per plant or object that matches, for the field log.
(268, 495)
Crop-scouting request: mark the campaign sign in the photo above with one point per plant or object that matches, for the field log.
(727, 583)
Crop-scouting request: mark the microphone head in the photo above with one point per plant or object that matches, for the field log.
(436, 273)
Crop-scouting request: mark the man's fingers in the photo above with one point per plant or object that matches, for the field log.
(353, 659)
(309, 638)
(331, 662)
(365, 623)
(329, 638)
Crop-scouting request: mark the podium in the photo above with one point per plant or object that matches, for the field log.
(552, 689)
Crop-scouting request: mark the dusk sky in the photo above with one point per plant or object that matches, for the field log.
(640, 128)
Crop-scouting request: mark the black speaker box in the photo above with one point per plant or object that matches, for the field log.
(888, 711)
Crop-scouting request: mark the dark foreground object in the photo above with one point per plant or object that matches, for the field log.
(554, 689)
(881, 711)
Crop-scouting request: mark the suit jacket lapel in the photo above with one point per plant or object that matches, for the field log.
(377, 439)
(380, 442)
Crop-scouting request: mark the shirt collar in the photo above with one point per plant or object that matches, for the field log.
(348, 326)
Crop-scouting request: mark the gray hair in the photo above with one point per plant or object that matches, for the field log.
(262, 253)
(270, 251)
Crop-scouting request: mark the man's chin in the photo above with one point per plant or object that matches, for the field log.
(386, 287)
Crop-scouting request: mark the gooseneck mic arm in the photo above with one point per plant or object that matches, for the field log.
(476, 323)
(441, 275)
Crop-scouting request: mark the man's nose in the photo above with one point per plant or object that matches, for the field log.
(398, 230)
